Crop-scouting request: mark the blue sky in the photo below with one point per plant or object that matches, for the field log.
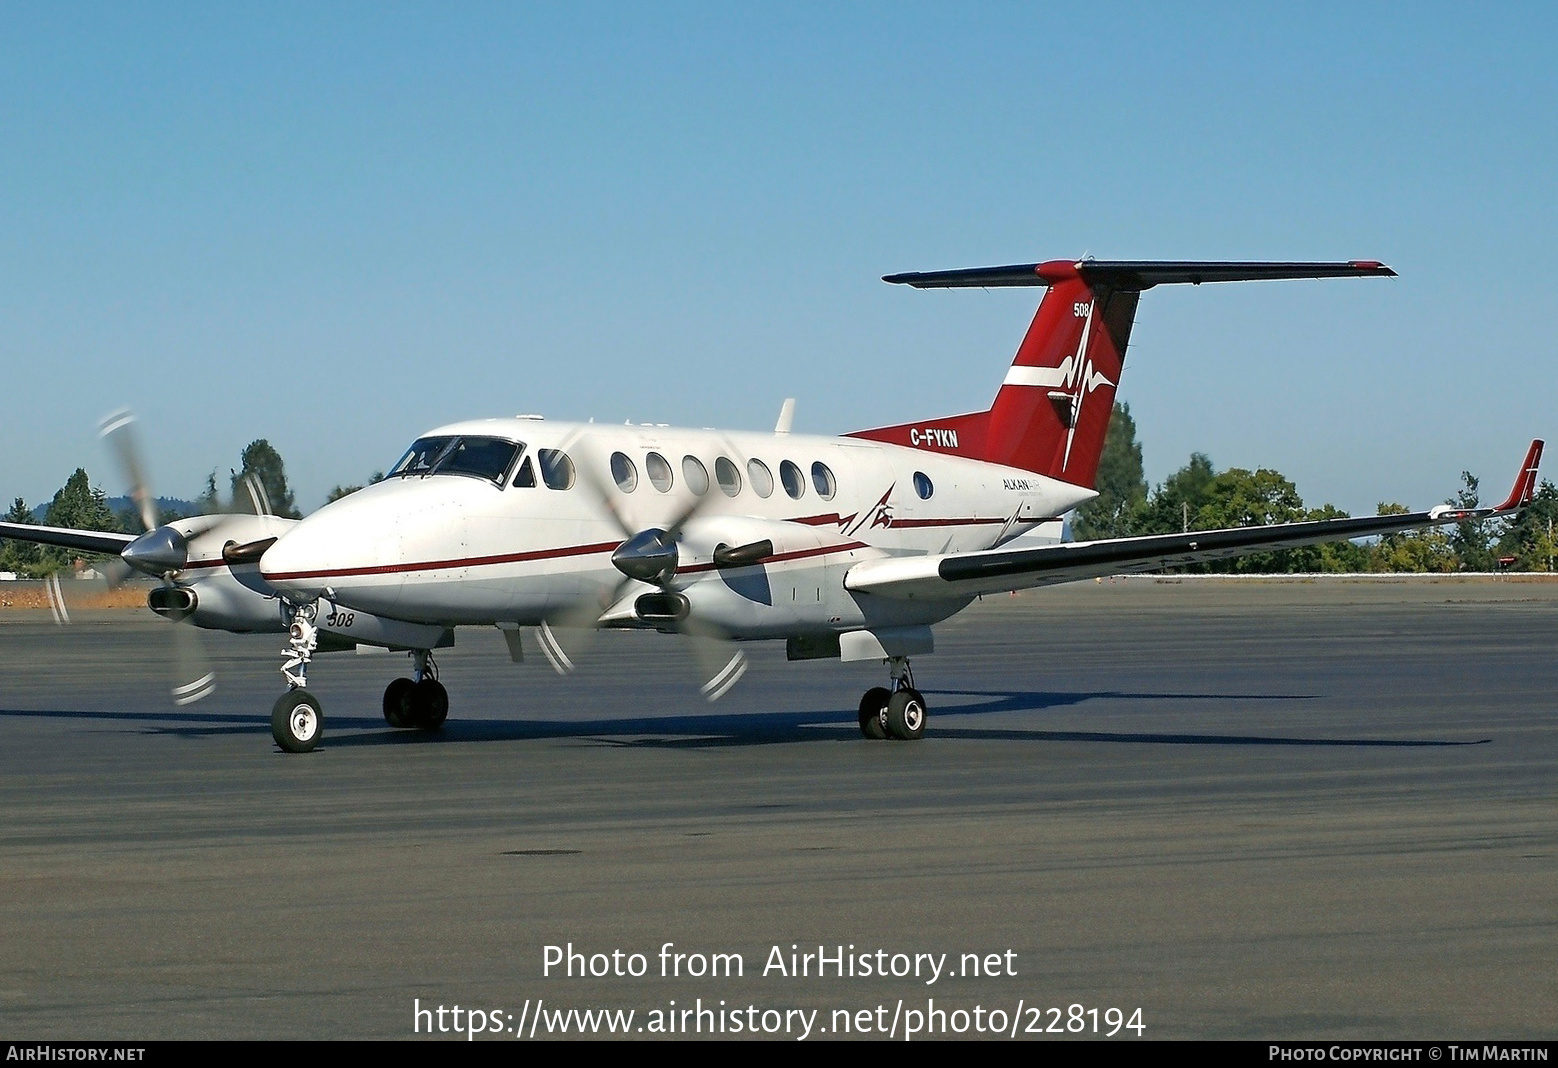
(334, 226)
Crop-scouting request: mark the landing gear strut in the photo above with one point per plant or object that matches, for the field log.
(897, 713)
(297, 721)
(420, 701)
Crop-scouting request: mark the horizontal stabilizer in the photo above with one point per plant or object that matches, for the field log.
(1134, 275)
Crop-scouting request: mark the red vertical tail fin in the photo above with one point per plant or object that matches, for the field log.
(1052, 411)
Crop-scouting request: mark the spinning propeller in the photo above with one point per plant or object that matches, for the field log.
(163, 552)
(650, 556)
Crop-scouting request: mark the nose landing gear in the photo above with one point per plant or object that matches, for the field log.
(897, 713)
(296, 720)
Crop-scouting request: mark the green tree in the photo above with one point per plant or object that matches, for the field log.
(1472, 542)
(1121, 485)
(1331, 556)
(210, 501)
(263, 462)
(1176, 503)
(23, 557)
(1242, 498)
(1199, 497)
(337, 492)
(1530, 537)
(80, 505)
(1427, 549)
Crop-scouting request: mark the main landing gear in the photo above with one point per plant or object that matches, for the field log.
(420, 701)
(897, 713)
(297, 721)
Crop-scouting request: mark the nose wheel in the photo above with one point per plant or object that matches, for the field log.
(297, 721)
(898, 713)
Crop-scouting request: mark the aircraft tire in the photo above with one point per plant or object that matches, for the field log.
(906, 716)
(297, 721)
(873, 713)
(432, 704)
(400, 703)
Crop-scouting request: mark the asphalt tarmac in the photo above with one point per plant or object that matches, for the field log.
(1251, 810)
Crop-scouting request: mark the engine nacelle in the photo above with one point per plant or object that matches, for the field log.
(796, 587)
(217, 601)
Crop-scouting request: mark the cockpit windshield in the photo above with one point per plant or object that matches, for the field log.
(478, 457)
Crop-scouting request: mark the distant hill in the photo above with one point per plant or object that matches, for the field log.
(121, 505)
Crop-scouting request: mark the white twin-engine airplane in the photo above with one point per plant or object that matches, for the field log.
(848, 547)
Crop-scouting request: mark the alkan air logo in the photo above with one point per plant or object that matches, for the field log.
(1071, 383)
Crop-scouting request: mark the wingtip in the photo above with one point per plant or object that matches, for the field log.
(1525, 482)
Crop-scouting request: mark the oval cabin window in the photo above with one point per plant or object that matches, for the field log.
(623, 472)
(822, 478)
(659, 470)
(695, 475)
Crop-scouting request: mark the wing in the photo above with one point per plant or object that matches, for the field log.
(89, 541)
(999, 570)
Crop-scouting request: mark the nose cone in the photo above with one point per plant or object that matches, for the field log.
(347, 545)
(297, 564)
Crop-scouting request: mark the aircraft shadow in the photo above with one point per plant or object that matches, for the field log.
(714, 729)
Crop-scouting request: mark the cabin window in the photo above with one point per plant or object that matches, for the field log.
(922, 485)
(794, 481)
(761, 477)
(695, 475)
(623, 472)
(659, 470)
(556, 469)
(728, 476)
(822, 478)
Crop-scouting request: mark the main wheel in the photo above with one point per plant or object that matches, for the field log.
(906, 715)
(400, 703)
(297, 721)
(432, 704)
(873, 712)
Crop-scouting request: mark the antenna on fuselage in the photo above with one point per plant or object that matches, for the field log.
(786, 416)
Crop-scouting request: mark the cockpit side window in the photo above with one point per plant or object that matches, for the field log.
(556, 469)
(526, 479)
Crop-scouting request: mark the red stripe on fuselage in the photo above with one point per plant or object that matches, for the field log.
(541, 554)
